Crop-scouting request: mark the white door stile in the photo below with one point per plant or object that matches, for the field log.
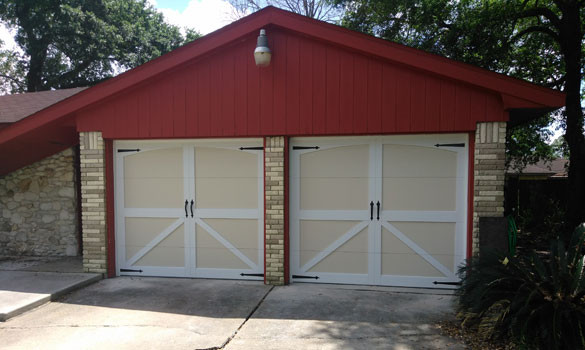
(460, 248)
(260, 213)
(374, 230)
(120, 221)
(188, 179)
(294, 211)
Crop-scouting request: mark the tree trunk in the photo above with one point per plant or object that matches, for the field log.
(571, 41)
(38, 54)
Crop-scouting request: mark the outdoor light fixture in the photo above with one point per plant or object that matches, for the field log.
(262, 54)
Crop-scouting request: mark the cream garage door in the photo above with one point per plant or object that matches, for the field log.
(189, 209)
(387, 210)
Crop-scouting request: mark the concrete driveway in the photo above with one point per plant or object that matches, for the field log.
(171, 313)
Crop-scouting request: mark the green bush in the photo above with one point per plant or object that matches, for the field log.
(537, 301)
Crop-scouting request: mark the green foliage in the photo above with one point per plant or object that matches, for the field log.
(542, 41)
(68, 43)
(537, 301)
(560, 147)
(9, 70)
(528, 143)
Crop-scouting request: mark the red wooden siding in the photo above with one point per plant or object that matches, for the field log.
(310, 88)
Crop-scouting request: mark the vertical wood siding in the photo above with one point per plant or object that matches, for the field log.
(310, 88)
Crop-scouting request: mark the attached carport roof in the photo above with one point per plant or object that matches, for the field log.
(54, 128)
(19, 106)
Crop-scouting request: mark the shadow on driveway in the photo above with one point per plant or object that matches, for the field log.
(172, 313)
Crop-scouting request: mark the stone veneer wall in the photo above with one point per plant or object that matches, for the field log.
(38, 204)
(93, 203)
(489, 174)
(274, 220)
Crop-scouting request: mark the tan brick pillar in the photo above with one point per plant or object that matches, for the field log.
(274, 182)
(489, 174)
(93, 208)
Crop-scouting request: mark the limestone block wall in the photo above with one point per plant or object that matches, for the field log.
(93, 202)
(489, 174)
(38, 206)
(274, 220)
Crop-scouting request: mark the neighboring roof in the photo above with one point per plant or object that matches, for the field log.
(56, 125)
(16, 107)
(557, 168)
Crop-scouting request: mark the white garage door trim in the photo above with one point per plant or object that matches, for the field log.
(185, 220)
(388, 218)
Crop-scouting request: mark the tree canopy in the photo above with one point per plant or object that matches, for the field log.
(70, 43)
(538, 40)
(319, 9)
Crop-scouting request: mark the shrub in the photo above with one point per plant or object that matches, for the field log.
(538, 301)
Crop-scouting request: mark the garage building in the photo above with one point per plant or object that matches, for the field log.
(348, 159)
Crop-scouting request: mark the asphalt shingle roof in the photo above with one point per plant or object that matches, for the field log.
(18, 106)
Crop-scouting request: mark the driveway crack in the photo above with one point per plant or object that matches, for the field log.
(229, 339)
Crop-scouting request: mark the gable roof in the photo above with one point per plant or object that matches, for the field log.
(556, 168)
(19, 106)
(516, 95)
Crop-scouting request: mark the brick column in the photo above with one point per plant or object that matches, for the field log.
(274, 220)
(93, 208)
(489, 174)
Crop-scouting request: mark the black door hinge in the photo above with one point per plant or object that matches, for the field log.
(129, 150)
(130, 270)
(309, 277)
(448, 283)
(252, 274)
(251, 148)
(305, 147)
(450, 145)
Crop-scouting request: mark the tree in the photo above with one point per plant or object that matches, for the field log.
(318, 9)
(538, 40)
(9, 71)
(70, 43)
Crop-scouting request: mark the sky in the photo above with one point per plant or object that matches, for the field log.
(205, 16)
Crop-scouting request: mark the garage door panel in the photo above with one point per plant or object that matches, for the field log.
(334, 178)
(345, 161)
(242, 234)
(170, 252)
(222, 162)
(416, 161)
(351, 257)
(226, 178)
(141, 231)
(317, 235)
(436, 239)
(419, 194)
(334, 193)
(148, 186)
(210, 253)
(400, 260)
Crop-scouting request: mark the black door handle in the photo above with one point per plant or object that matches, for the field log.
(192, 202)
(371, 210)
(186, 203)
(378, 206)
